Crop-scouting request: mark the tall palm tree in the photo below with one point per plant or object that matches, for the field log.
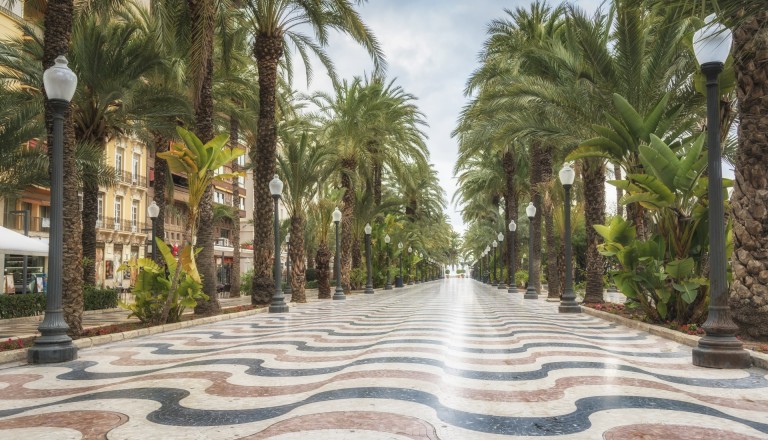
(275, 23)
(303, 163)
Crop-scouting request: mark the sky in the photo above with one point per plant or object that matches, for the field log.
(431, 47)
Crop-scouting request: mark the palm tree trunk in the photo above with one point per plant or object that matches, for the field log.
(90, 216)
(357, 254)
(56, 33)
(749, 291)
(348, 167)
(323, 267)
(298, 267)
(541, 172)
(162, 172)
(553, 277)
(377, 169)
(510, 201)
(593, 174)
(206, 259)
(267, 49)
(234, 280)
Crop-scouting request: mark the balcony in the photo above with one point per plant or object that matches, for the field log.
(131, 179)
(36, 224)
(119, 225)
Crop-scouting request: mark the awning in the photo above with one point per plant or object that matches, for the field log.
(14, 243)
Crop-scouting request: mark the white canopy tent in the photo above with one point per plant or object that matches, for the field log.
(14, 243)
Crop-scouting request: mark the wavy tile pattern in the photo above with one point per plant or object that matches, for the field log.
(447, 360)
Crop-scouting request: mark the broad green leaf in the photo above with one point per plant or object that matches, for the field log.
(651, 122)
(680, 269)
(654, 186)
(686, 173)
(630, 143)
(630, 117)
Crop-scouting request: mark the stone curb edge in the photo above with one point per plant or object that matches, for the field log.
(82, 343)
(758, 359)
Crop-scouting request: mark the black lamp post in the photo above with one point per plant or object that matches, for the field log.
(278, 297)
(54, 345)
(511, 269)
(399, 279)
(338, 294)
(500, 238)
(410, 266)
(369, 285)
(24, 213)
(420, 276)
(480, 273)
(719, 348)
(487, 278)
(530, 292)
(494, 277)
(387, 239)
(288, 289)
(568, 302)
(153, 211)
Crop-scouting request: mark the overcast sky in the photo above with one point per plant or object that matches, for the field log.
(431, 47)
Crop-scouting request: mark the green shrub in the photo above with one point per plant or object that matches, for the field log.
(311, 274)
(246, 280)
(17, 306)
(521, 277)
(458, 271)
(357, 278)
(99, 299)
(311, 284)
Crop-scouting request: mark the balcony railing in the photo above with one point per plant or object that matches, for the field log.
(122, 225)
(129, 178)
(223, 242)
(36, 224)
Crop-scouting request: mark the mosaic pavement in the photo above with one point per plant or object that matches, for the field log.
(451, 360)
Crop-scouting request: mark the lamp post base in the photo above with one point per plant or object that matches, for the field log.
(52, 353)
(388, 287)
(725, 352)
(512, 289)
(398, 282)
(338, 295)
(278, 308)
(502, 285)
(369, 290)
(530, 293)
(569, 307)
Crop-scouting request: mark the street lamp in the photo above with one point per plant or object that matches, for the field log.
(387, 239)
(719, 348)
(568, 301)
(421, 272)
(54, 345)
(494, 276)
(369, 286)
(399, 279)
(511, 269)
(502, 285)
(530, 292)
(153, 211)
(287, 290)
(410, 266)
(278, 298)
(339, 293)
(487, 264)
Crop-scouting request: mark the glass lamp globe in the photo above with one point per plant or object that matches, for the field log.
(495, 243)
(368, 229)
(387, 239)
(530, 210)
(567, 175)
(712, 43)
(337, 215)
(59, 80)
(153, 210)
(276, 186)
(512, 226)
(500, 237)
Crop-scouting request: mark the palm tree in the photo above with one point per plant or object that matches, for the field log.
(19, 123)
(303, 164)
(274, 23)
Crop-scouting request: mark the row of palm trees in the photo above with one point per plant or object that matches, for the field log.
(213, 67)
(555, 85)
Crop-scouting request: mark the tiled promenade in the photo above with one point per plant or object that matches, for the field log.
(450, 360)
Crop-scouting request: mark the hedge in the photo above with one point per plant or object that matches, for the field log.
(31, 304)
(99, 299)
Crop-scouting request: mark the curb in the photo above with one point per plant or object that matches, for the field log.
(759, 360)
(82, 343)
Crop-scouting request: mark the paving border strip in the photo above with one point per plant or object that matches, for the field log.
(12, 356)
(758, 359)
